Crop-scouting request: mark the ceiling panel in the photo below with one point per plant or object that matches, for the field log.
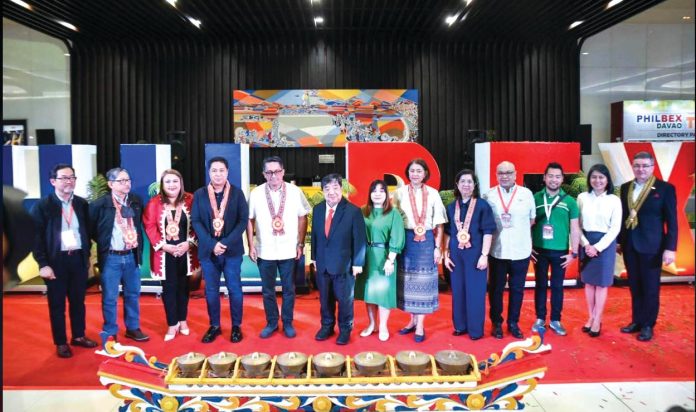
(522, 20)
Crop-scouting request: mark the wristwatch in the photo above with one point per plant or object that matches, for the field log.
(300, 245)
(575, 255)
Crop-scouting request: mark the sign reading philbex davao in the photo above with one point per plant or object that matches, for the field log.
(658, 120)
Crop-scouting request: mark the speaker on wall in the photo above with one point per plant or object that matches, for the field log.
(583, 134)
(45, 136)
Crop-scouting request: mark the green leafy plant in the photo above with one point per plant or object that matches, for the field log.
(153, 189)
(577, 185)
(97, 187)
(447, 196)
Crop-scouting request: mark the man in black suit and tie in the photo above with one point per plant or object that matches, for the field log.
(338, 248)
(648, 239)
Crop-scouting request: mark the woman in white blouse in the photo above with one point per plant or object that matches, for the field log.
(417, 279)
(600, 220)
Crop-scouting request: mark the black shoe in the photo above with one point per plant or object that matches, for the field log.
(497, 331)
(324, 333)
(406, 331)
(458, 332)
(212, 333)
(645, 334)
(63, 351)
(586, 329)
(515, 331)
(475, 337)
(236, 335)
(84, 342)
(630, 328)
(137, 335)
(594, 334)
(343, 337)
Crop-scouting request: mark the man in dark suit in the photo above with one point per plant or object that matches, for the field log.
(62, 251)
(648, 239)
(338, 248)
(115, 224)
(219, 215)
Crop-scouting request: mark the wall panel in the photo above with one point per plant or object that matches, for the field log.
(125, 92)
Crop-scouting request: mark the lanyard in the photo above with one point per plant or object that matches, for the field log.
(506, 208)
(549, 207)
(68, 219)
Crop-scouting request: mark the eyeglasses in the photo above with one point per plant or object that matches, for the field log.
(67, 178)
(122, 181)
(508, 173)
(271, 173)
(642, 166)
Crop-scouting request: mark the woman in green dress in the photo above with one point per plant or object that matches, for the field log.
(385, 239)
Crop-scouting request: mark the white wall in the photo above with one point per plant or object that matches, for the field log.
(633, 62)
(35, 80)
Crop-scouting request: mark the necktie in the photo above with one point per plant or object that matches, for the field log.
(327, 224)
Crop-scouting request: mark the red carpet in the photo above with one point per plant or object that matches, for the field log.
(29, 356)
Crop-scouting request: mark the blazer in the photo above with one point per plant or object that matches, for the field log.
(236, 217)
(101, 225)
(48, 216)
(155, 223)
(657, 220)
(347, 242)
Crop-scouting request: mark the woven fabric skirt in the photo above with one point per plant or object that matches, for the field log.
(599, 270)
(417, 279)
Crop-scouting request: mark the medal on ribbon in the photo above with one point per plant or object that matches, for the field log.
(218, 224)
(277, 218)
(419, 230)
(130, 235)
(218, 212)
(463, 236)
(172, 228)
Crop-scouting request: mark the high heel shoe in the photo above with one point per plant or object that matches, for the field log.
(383, 335)
(587, 329)
(594, 334)
(169, 337)
(407, 330)
(184, 330)
(368, 331)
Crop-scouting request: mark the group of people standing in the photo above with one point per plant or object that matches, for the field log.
(386, 253)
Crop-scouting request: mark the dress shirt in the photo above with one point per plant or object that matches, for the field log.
(637, 188)
(514, 242)
(435, 214)
(74, 224)
(600, 214)
(268, 245)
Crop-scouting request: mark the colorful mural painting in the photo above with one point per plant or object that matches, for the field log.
(326, 117)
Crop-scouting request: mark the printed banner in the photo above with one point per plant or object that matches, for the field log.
(658, 120)
(326, 117)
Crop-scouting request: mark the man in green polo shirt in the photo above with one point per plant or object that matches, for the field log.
(556, 223)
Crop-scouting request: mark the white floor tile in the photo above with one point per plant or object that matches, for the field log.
(54, 400)
(580, 397)
(690, 386)
(606, 397)
(652, 396)
(18, 400)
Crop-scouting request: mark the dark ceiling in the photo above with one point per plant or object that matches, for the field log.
(518, 20)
